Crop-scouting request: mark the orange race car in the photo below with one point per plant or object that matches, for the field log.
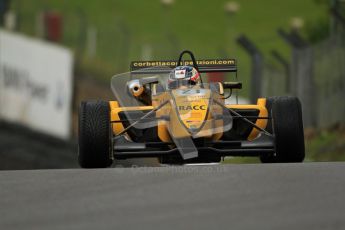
(169, 110)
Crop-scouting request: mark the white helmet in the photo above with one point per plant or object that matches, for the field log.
(183, 76)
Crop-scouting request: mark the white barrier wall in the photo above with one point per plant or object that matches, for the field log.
(36, 84)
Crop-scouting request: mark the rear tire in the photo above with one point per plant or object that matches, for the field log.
(94, 135)
(287, 127)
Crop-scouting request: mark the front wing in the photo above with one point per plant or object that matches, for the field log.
(263, 145)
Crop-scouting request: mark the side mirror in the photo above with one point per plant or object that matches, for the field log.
(232, 85)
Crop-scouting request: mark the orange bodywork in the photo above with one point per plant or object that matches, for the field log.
(163, 133)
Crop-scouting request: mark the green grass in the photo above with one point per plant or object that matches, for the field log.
(241, 160)
(198, 25)
(326, 145)
(320, 146)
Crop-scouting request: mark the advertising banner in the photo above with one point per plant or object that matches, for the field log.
(36, 83)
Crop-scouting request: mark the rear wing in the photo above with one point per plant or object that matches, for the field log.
(205, 66)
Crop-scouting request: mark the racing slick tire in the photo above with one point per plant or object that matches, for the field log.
(287, 126)
(94, 135)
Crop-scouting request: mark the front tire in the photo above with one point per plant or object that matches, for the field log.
(94, 135)
(287, 128)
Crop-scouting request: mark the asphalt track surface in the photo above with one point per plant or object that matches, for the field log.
(271, 196)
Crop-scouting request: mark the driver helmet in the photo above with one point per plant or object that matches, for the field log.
(183, 76)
